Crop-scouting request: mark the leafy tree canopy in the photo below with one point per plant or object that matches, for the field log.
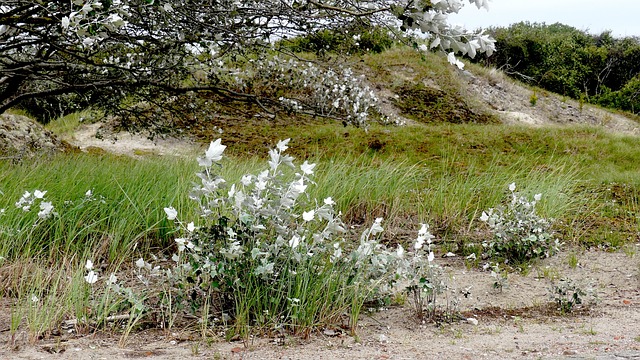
(153, 54)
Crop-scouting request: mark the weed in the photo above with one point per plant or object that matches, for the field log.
(630, 250)
(589, 331)
(533, 99)
(519, 323)
(573, 260)
(548, 272)
(567, 295)
(500, 276)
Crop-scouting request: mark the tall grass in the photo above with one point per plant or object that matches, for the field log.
(124, 215)
(445, 175)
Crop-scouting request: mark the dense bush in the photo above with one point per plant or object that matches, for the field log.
(355, 39)
(627, 98)
(45, 109)
(569, 61)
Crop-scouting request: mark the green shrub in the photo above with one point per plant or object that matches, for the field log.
(355, 39)
(519, 233)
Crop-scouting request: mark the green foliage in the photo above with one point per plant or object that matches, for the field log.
(570, 62)
(432, 105)
(567, 295)
(519, 233)
(553, 56)
(105, 205)
(355, 39)
(627, 98)
(46, 109)
(533, 100)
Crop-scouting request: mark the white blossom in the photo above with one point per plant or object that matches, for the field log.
(91, 277)
(171, 213)
(308, 215)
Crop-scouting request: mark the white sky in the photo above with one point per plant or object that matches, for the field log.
(594, 16)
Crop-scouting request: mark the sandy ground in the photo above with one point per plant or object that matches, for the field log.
(124, 143)
(510, 324)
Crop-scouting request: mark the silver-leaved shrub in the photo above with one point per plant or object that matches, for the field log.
(519, 233)
(263, 254)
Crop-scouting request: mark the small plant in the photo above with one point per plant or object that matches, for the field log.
(581, 101)
(500, 276)
(426, 277)
(548, 272)
(567, 295)
(533, 100)
(573, 260)
(519, 233)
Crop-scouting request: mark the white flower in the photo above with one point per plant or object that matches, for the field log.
(140, 263)
(329, 201)
(431, 256)
(512, 187)
(112, 279)
(45, 210)
(307, 168)
(298, 186)
(246, 180)
(65, 22)
(39, 194)
(484, 217)
(376, 227)
(89, 265)
(451, 57)
(215, 151)
(191, 227)
(34, 298)
(308, 215)
(91, 277)
(213, 154)
(282, 145)
(337, 252)
(181, 243)
(399, 251)
(89, 193)
(294, 242)
(171, 213)
(424, 230)
(537, 197)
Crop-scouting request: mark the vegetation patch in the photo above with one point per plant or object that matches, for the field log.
(430, 105)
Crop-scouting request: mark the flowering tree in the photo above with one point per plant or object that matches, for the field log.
(160, 52)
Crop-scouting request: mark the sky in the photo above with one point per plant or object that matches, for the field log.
(622, 17)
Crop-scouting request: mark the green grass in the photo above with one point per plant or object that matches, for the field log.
(131, 217)
(441, 174)
(69, 123)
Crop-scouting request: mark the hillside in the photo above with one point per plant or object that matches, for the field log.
(411, 90)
